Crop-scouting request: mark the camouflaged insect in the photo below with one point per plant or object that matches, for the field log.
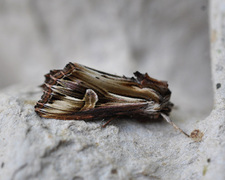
(81, 93)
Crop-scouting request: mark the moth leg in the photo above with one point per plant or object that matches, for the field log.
(174, 125)
(104, 125)
(90, 99)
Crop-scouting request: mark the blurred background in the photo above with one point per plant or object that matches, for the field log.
(169, 39)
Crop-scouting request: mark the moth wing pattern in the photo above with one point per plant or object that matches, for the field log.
(80, 92)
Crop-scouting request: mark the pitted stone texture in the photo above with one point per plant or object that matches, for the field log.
(36, 148)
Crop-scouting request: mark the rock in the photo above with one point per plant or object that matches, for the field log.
(37, 148)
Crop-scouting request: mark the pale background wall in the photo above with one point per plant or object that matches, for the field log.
(167, 38)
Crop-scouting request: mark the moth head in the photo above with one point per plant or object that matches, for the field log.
(146, 81)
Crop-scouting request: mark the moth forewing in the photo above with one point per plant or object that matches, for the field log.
(79, 92)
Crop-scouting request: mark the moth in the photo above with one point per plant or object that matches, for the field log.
(81, 93)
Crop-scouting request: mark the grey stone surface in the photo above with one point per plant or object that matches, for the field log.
(36, 148)
(168, 39)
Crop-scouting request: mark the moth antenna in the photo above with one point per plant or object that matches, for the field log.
(174, 125)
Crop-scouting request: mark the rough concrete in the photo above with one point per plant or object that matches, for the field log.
(36, 148)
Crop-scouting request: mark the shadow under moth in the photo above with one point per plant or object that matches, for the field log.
(81, 93)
